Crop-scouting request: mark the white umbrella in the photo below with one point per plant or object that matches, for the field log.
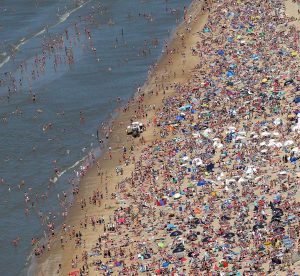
(275, 133)
(264, 151)
(231, 180)
(239, 137)
(242, 180)
(265, 134)
(207, 132)
(283, 172)
(272, 143)
(288, 143)
(263, 143)
(277, 121)
(185, 158)
(196, 134)
(177, 195)
(279, 145)
(296, 149)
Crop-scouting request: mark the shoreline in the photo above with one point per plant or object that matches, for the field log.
(52, 258)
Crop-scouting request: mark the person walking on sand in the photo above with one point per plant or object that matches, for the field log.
(110, 153)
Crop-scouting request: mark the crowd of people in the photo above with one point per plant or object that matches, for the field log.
(217, 193)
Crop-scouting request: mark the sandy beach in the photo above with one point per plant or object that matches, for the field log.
(212, 186)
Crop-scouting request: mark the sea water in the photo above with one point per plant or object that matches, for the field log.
(101, 50)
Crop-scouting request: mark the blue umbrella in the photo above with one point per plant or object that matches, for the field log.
(165, 264)
(221, 52)
(297, 99)
(201, 183)
(179, 118)
(229, 74)
(171, 226)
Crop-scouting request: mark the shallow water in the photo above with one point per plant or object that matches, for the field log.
(90, 85)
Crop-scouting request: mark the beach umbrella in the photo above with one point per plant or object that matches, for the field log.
(282, 172)
(171, 226)
(277, 212)
(229, 235)
(288, 143)
(192, 226)
(229, 74)
(193, 254)
(175, 233)
(275, 219)
(258, 226)
(177, 196)
(165, 264)
(297, 99)
(195, 221)
(201, 183)
(161, 245)
(147, 256)
(192, 237)
(276, 260)
(225, 217)
(206, 239)
(279, 230)
(178, 249)
(221, 52)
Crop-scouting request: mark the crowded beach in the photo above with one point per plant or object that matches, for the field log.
(211, 187)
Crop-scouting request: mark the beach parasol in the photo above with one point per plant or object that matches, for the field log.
(171, 226)
(279, 230)
(225, 217)
(195, 221)
(192, 237)
(229, 235)
(178, 249)
(177, 196)
(206, 239)
(258, 226)
(277, 212)
(161, 244)
(175, 233)
(276, 260)
(288, 143)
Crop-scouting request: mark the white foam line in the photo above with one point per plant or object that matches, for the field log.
(66, 15)
(5, 61)
(73, 166)
(40, 32)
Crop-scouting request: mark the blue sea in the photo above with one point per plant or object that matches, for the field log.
(60, 61)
